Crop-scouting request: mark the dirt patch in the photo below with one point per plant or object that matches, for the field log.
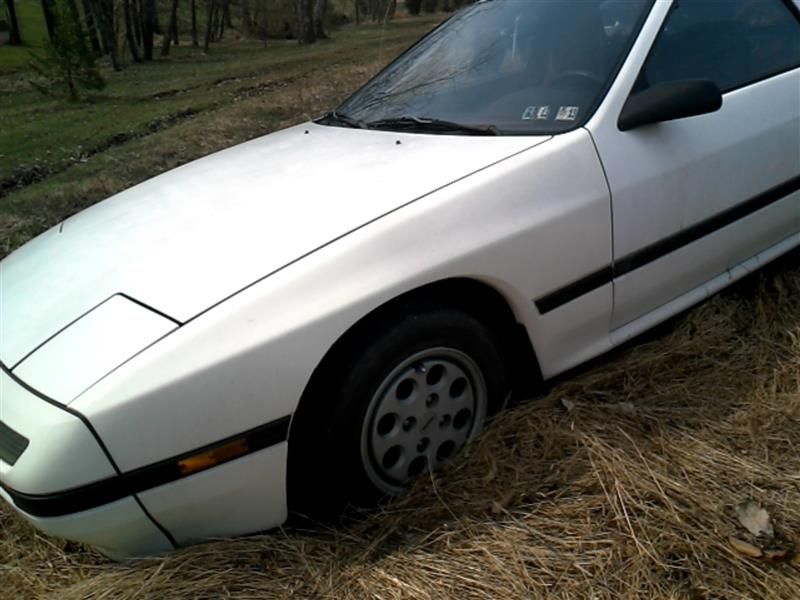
(23, 176)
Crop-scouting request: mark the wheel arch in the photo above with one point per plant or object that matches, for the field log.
(478, 299)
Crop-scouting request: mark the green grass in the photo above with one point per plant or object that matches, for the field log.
(156, 116)
(33, 32)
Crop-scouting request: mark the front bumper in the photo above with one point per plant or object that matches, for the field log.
(62, 456)
(66, 483)
(119, 530)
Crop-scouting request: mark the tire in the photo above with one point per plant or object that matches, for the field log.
(390, 406)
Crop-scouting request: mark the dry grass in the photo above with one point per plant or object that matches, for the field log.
(629, 493)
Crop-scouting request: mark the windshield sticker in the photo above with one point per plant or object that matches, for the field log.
(567, 113)
(536, 113)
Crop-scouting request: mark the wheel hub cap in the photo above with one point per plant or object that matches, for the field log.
(421, 415)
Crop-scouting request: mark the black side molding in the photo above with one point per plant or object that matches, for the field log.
(575, 290)
(661, 248)
(127, 484)
(12, 444)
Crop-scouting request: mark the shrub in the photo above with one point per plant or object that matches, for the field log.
(67, 64)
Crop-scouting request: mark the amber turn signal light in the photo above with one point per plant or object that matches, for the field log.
(215, 456)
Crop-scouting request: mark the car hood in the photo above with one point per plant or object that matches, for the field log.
(189, 238)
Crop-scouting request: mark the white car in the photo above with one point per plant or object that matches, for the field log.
(315, 317)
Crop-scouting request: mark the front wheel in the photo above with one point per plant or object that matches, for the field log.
(391, 408)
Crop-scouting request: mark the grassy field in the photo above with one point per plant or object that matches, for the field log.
(621, 481)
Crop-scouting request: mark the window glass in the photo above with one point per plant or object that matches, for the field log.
(518, 66)
(731, 42)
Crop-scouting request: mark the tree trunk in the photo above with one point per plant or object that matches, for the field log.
(104, 15)
(173, 25)
(136, 19)
(209, 23)
(130, 35)
(319, 19)
(14, 37)
(226, 14)
(147, 17)
(262, 22)
(174, 31)
(49, 18)
(91, 27)
(194, 24)
(305, 21)
(95, 8)
(108, 11)
(156, 23)
(219, 21)
(247, 17)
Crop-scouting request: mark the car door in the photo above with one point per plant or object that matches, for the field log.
(695, 197)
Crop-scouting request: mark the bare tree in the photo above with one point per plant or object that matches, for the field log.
(15, 39)
(320, 9)
(91, 27)
(226, 14)
(156, 23)
(104, 15)
(194, 24)
(305, 21)
(172, 29)
(260, 21)
(49, 18)
(247, 17)
(148, 22)
(212, 5)
(130, 30)
(223, 19)
(136, 20)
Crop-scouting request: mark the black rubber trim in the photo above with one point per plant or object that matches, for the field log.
(793, 8)
(670, 244)
(575, 290)
(691, 234)
(165, 532)
(150, 308)
(12, 444)
(133, 482)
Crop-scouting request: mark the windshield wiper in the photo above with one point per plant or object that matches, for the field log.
(340, 119)
(431, 125)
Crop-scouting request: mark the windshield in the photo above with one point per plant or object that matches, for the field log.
(502, 66)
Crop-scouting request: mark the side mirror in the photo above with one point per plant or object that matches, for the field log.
(669, 101)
